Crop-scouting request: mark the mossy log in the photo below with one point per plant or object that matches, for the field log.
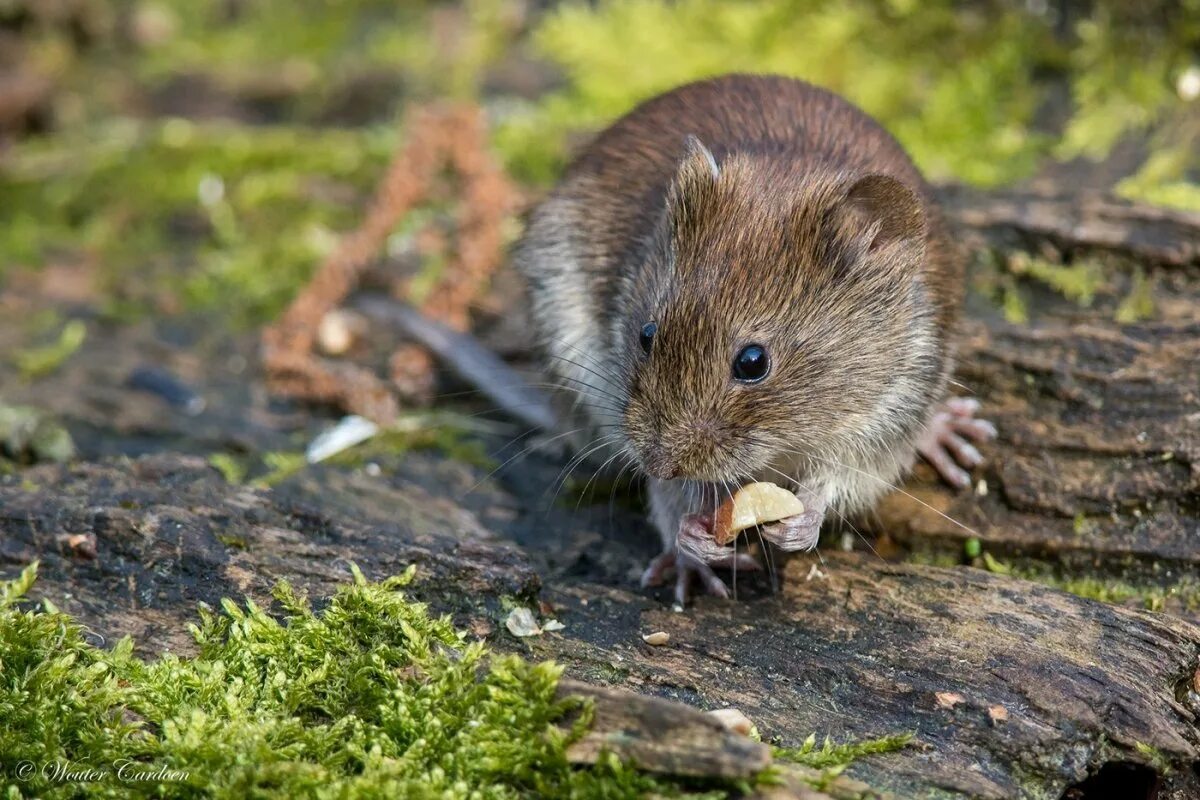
(861, 651)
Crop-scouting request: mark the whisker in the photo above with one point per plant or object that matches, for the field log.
(890, 485)
(595, 473)
(523, 452)
(574, 463)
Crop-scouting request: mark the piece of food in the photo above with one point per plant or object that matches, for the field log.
(753, 504)
(656, 639)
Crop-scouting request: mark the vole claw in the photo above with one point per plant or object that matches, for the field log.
(944, 443)
(695, 555)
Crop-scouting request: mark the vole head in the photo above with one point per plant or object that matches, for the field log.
(779, 315)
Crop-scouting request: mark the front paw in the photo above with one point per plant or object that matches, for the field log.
(793, 534)
(697, 554)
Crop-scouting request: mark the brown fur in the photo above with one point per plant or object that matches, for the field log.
(818, 239)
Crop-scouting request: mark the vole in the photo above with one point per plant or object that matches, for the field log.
(747, 279)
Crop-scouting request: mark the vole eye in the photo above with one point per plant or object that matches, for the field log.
(751, 364)
(647, 336)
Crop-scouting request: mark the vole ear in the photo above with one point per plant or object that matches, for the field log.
(887, 209)
(698, 161)
(696, 175)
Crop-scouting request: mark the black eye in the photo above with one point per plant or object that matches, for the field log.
(751, 364)
(647, 336)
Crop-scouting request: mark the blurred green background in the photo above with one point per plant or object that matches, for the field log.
(205, 154)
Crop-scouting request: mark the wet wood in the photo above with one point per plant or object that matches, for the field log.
(1078, 223)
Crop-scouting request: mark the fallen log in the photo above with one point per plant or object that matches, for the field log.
(865, 651)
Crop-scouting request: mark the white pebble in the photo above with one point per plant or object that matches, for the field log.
(520, 622)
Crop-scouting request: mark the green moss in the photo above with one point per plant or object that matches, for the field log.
(28, 435)
(36, 362)
(1012, 303)
(1181, 592)
(280, 466)
(959, 85)
(931, 557)
(993, 564)
(221, 217)
(1155, 758)
(447, 434)
(835, 756)
(883, 57)
(234, 542)
(1078, 282)
(1161, 179)
(232, 469)
(1139, 303)
(372, 697)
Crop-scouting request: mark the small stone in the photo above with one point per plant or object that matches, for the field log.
(733, 720)
(520, 622)
(949, 699)
(339, 330)
(656, 639)
(552, 625)
(997, 714)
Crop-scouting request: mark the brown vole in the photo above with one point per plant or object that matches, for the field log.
(747, 279)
